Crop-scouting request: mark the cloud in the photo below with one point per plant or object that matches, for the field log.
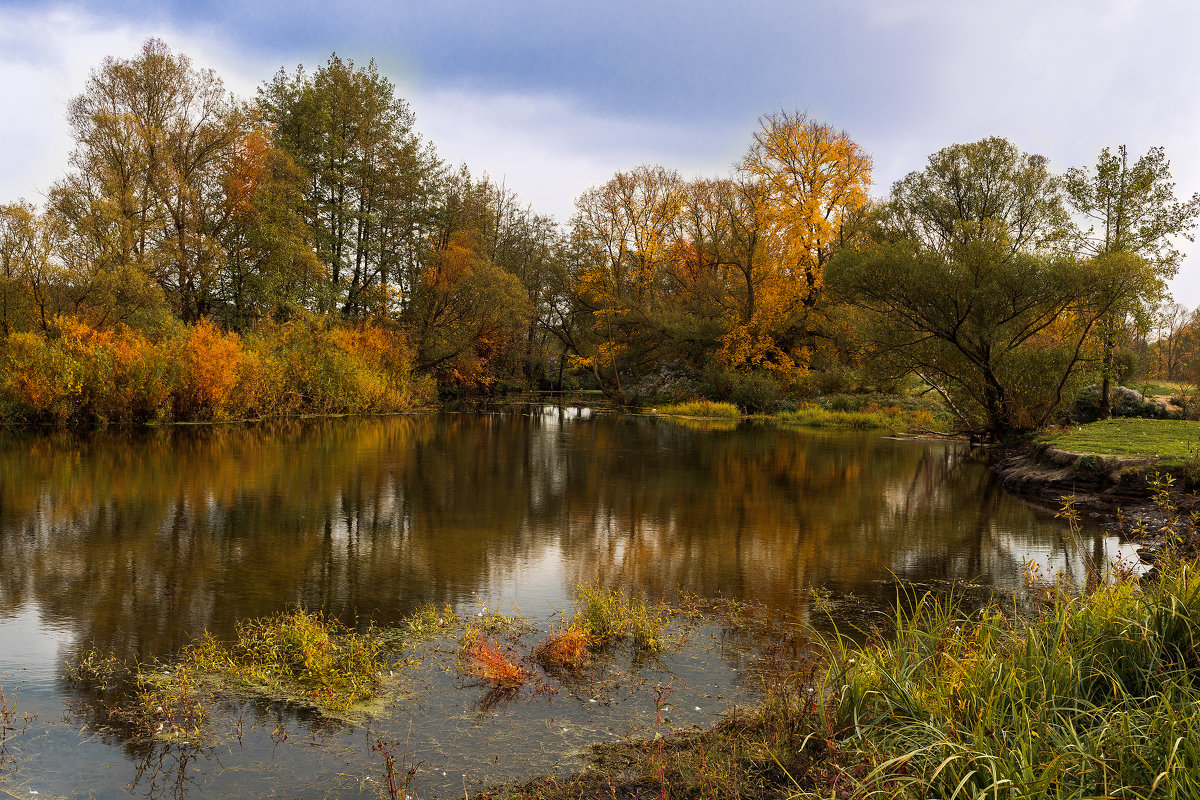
(548, 148)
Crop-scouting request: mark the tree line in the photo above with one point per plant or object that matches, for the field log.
(316, 207)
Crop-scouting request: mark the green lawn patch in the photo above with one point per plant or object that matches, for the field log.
(1173, 442)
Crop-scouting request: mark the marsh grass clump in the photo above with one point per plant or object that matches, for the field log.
(608, 616)
(564, 650)
(429, 619)
(294, 656)
(486, 659)
(296, 653)
(871, 417)
(700, 408)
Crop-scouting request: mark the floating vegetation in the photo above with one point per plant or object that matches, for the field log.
(565, 650)
(871, 418)
(485, 658)
(295, 656)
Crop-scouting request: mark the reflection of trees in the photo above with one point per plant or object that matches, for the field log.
(138, 541)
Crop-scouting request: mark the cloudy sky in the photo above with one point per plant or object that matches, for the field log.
(552, 96)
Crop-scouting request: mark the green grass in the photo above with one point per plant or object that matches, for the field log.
(1152, 388)
(699, 408)
(1173, 442)
(871, 418)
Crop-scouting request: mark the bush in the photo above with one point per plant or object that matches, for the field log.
(82, 375)
(756, 393)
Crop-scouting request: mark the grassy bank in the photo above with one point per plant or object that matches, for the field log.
(1092, 696)
(1173, 442)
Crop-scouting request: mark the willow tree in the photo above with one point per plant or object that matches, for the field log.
(969, 277)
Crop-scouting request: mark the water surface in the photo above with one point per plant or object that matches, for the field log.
(138, 541)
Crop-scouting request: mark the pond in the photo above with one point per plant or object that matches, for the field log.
(137, 542)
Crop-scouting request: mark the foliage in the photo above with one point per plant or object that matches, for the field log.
(1087, 406)
(84, 375)
(965, 275)
(1091, 698)
(487, 660)
(871, 417)
(607, 616)
(1139, 215)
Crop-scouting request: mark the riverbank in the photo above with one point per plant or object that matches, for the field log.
(1079, 696)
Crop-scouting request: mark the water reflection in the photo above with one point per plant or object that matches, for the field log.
(136, 541)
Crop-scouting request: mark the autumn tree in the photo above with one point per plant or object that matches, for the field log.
(271, 270)
(969, 277)
(464, 308)
(1132, 209)
(151, 137)
(22, 259)
(626, 229)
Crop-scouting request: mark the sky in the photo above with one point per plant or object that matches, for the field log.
(553, 96)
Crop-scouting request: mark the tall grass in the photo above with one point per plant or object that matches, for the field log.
(873, 417)
(1097, 696)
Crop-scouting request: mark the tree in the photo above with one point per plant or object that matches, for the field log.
(813, 177)
(967, 274)
(22, 257)
(1131, 209)
(271, 269)
(372, 185)
(152, 135)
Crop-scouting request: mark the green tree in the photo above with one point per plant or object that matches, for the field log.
(1131, 208)
(372, 185)
(967, 274)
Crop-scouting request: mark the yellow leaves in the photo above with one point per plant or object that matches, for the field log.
(814, 176)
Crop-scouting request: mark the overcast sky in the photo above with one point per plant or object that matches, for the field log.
(552, 96)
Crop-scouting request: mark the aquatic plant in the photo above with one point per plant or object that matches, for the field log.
(610, 615)
(485, 659)
(564, 650)
(296, 652)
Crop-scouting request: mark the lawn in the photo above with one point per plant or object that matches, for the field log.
(1173, 442)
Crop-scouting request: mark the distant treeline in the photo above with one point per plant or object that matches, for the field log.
(306, 251)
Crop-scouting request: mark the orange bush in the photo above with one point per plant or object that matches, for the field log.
(209, 361)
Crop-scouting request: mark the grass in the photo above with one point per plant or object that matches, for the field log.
(1172, 442)
(1093, 695)
(607, 616)
(1163, 388)
(295, 656)
(699, 408)
(873, 417)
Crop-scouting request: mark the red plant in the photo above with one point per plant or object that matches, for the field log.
(487, 661)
